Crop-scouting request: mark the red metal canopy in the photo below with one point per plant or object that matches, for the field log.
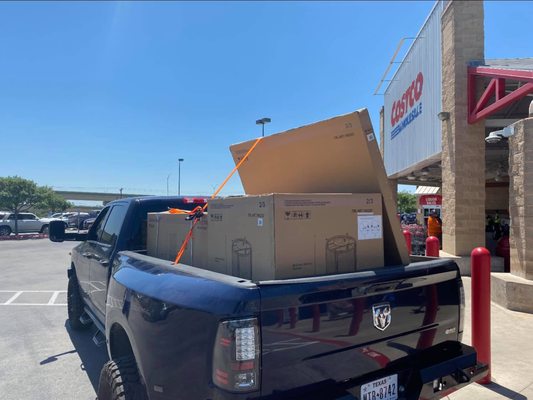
(479, 109)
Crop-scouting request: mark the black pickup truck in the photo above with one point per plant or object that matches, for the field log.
(179, 332)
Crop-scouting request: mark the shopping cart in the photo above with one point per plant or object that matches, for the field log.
(418, 238)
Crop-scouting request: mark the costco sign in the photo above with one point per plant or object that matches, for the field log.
(412, 137)
(406, 109)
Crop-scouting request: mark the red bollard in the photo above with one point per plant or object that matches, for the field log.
(432, 246)
(480, 271)
(407, 236)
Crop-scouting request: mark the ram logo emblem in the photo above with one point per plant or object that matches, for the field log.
(382, 315)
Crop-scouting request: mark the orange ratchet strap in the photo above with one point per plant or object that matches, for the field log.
(198, 212)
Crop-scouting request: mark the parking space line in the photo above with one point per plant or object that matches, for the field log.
(33, 304)
(17, 293)
(32, 291)
(53, 298)
(12, 298)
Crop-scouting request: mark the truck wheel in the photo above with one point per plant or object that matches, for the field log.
(5, 231)
(119, 380)
(44, 229)
(75, 304)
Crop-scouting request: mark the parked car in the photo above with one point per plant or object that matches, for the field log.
(27, 222)
(88, 223)
(176, 331)
(63, 216)
(408, 218)
(75, 220)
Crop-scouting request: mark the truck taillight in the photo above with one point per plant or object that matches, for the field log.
(236, 355)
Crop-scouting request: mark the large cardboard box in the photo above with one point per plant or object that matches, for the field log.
(339, 155)
(166, 233)
(281, 236)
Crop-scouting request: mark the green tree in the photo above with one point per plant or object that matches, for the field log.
(406, 202)
(18, 195)
(51, 202)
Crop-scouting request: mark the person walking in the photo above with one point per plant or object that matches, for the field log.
(435, 226)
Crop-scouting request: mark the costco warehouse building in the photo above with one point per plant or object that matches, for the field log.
(442, 103)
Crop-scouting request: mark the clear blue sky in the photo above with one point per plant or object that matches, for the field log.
(98, 96)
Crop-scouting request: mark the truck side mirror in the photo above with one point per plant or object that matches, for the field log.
(56, 233)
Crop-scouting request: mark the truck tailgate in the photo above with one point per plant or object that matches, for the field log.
(336, 328)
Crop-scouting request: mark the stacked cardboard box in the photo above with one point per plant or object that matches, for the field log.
(166, 232)
(338, 155)
(281, 236)
(338, 214)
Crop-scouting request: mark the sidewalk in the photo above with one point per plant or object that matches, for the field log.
(512, 355)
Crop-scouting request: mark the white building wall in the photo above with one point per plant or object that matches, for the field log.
(412, 131)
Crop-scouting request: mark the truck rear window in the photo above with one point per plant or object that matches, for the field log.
(140, 218)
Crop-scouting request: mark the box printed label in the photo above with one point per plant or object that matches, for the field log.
(299, 266)
(298, 215)
(305, 203)
(256, 215)
(363, 211)
(213, 217)
(369, 227)
(343, 135)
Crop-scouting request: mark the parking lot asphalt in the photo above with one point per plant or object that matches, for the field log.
(41, 358)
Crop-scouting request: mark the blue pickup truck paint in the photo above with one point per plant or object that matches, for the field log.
(321, 337)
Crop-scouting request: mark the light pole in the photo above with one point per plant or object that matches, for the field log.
(168, 177)
(262, 122)
(121, 189)
(180, 160)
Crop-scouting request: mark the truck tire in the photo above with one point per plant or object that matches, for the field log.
(44, 229)
(119, 380)
(75, 304)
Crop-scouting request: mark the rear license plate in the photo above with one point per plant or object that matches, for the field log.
(381, 389)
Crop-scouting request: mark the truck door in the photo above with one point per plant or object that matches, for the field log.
(103, 251)
(85, 252)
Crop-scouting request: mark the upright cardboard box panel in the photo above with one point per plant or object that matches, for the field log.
(283, 236)
(166, 232)
(339, 155)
